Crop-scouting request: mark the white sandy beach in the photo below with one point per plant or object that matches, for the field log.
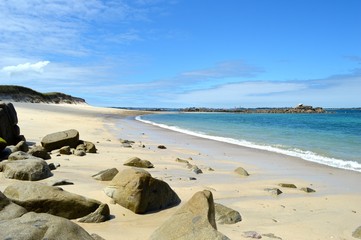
(332, 212)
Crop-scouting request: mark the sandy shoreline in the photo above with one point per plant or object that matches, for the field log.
(333, 212)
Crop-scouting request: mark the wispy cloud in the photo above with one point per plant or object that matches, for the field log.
(26, 68)
(224, 70)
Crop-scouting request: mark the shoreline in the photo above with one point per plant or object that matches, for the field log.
(303, 154)
(333, 211)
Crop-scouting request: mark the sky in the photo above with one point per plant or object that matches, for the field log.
(185, 53)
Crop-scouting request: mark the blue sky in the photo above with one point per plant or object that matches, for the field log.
(182, 53)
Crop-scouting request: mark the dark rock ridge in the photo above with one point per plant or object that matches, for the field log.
(300, 108)
(23, 94)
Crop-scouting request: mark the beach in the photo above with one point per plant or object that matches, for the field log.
(332, 212)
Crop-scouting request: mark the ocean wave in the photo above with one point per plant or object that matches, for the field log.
(306, 155)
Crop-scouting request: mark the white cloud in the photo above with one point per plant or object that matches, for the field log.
(26, 68)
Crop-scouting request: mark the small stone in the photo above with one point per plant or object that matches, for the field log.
(252, 234)
(287, 185)
(181, 160)
(79, 153)
(241, 171)
(52, 166)
(65, 150)
(196, 170)
(192, 178)
(308, 190)
(274, 191)
(162, 147)
(62, 183)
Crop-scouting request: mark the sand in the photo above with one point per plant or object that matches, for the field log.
(332, 212)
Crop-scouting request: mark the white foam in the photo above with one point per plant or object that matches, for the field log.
(306, 155)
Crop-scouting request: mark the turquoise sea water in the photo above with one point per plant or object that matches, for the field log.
(332, 139)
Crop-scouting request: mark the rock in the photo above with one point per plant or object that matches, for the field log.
(287, 185)
(96, 237)
(138, 191)
(8, 209)
(162, 147)
(194, 220)
(181, 160)
(21, 146)
(79, 152)
(226, 215)
(126, 141)
(196, 169)
(29, 169)
(252, 234)
(308, 190)
(41, 226)
(274, 191)
(40, 152)
(241, 171)
(52, 166)
(19, 155)
(192, 178)
(357, 233)
(102, 214)
(90, 147)
(106, 175)
(126, 145)
(80, 147)
(61, 183)
(65, 150)
(3, 144)
(60, 139)
(41, 198)
(9, 130)
(137, 162)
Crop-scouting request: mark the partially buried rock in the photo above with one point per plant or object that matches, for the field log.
(41, 198)
(79, 152)
(102, 214)
(357, 233)
(287, 185)
(274, 191)
(60, 139)
(138, 191)
(20, 155)
(137, 162)
(90, 147)
(40, 152)
(61, 183)
(8, 209)
(194, 220)
(106, 175)
(308, 190)
(42, 226)
(29, 169)
(196, 169)
(226, 215)
(241, 171)
(162, 147)
(181, 160)
(65, 150)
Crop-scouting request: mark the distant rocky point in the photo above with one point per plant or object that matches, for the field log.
(300, 108)
(23, 94)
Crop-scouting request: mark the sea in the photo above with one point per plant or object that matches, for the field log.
(332, 138)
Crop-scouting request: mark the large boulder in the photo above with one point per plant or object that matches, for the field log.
(3, 144)
(8, 209)
(33, 169)
(138, 191)
(33, 226)
(60, 139)
(137, 162)
(9, 130)
(194, 220)
(41, 198)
